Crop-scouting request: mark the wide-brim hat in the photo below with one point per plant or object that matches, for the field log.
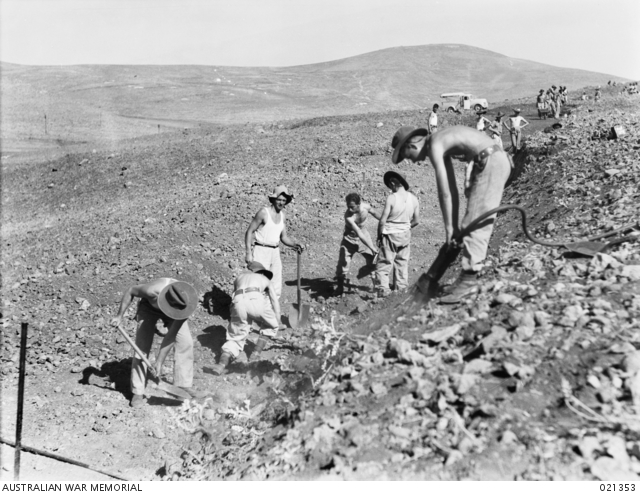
(178, 300)
(256, 267)
(281, 190)
(517, 110)
(395, 175)
(499, 115)
(401, 137)
(481, 112)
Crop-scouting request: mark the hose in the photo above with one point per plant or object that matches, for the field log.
(502, 208)
(523, 213)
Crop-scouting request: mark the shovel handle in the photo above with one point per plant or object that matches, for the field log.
(144, 358)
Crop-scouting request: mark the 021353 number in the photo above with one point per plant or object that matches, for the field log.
(617, 487)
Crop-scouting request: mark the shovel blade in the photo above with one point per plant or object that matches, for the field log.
(586, 248)
(298, 318)
(293, 318)
(172, 389)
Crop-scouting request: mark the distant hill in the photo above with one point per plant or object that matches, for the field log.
(89, 102)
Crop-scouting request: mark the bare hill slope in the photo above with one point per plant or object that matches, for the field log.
(107, 103)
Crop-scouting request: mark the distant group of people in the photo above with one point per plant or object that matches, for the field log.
(551, 101)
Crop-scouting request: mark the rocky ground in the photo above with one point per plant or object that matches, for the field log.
(535, 378)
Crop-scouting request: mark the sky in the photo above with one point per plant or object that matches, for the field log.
(597, 35)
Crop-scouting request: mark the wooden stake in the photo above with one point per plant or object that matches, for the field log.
(21, 374)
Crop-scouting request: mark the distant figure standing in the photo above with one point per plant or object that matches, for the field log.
(541, 103)
(495, 130)
(481, 122)
(433, 119)
(598, 94)
(515, 126)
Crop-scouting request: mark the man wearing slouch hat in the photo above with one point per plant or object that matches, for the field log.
(169, 303)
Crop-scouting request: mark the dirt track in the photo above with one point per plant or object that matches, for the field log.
(74, 231)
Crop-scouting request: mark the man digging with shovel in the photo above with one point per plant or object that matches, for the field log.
(490, 170)
(249, 304)
(170, 302)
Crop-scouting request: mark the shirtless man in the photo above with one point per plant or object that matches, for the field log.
(354, 234)
(495, 130)
(515, 129)
(254, 299)
(270, 229)
(489, 174)
(401, 214)
(171, 302)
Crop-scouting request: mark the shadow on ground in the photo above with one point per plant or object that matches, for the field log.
(116, 372)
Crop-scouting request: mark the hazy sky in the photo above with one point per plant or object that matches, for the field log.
(597, 35)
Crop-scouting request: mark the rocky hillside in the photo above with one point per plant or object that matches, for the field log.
(539, 371)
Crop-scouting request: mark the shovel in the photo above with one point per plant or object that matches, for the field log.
(170, 389)
(299, 316)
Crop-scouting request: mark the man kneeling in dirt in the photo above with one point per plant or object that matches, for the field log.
(249, 304)
(490, 171)
(354, 233)
(170, 302)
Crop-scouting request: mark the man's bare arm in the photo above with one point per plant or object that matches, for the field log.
(365, 239)
(445, 192)
(275, 303)
(287, 241)
(384, 216)
(257, 221)
(127, 299)
(415, 220)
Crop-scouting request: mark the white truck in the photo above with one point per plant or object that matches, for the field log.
(454, 102)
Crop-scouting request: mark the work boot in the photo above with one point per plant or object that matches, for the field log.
(261, 343)
(219, 369)
(465, 286)
(137, 401)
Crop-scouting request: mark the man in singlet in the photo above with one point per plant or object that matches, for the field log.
(354, 234)
(270, 229)
(171, 302)
(489, 174)
(401, 214)
(515, 129)
(254, 299)
(433, 119)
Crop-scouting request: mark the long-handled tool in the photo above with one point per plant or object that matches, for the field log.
(299, 316)
(170, 389)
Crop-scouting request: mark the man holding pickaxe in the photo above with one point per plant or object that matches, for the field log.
(169, 302)
(490, 169)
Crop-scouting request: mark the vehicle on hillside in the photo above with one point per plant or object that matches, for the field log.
(454, 102)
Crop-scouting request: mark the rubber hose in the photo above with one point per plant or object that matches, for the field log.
(523, 213)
